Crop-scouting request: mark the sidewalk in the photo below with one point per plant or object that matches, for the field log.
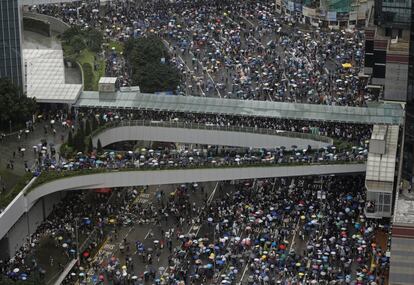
(10, 144)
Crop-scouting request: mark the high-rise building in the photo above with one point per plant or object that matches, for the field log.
(389, 52)
(10, 42)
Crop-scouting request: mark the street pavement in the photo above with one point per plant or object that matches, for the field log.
(122, 245)
(10, 144)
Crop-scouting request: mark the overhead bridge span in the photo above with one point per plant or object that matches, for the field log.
(191, 133)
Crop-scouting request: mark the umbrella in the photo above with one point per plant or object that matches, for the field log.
(16, 270)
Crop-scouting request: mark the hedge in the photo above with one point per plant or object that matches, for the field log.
(88, 76)
(10, 195)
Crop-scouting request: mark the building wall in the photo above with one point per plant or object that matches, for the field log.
(396, 81)
(10, 42)
(26, 223)
(402, 255)
(16, 236)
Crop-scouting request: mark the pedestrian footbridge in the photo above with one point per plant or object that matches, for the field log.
(191, 133)
(131, 99)
(54, 182)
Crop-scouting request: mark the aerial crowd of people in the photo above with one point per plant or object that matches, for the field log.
(233, 49)
(304, 230)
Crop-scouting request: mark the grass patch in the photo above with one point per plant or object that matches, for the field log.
(87, 58)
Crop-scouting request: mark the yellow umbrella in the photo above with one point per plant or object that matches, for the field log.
(346, 65)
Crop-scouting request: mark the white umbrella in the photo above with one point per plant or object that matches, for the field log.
(52, 121)
(23, 149)
(16, 270)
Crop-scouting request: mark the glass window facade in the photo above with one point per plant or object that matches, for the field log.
(379, 203)
(10, 46)
(393, 12)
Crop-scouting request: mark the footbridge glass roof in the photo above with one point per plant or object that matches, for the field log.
(387, 113)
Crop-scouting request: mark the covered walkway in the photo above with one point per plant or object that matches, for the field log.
(385, 113)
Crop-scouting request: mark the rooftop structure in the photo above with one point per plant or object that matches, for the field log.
(402, 244)
(46, 77)
(381, 169)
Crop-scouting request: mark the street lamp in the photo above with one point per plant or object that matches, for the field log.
(77, 241)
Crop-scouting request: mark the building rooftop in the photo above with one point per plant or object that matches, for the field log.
(381, 167)
(404, 210)
(46, 77)
(107, 80)
(379, 132)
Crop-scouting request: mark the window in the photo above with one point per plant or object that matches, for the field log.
(378, 202)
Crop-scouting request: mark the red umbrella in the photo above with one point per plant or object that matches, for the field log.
(85, 254)
(103, 190)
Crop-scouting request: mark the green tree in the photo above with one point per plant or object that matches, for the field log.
(70, 33)
(88, 128)
(156, 78)
(99, 148)
(15, 107)
(79, 140)
(93, 39)
(77, 43)
(90, 145)
(70, 139)
(94, 123)
(144, 55)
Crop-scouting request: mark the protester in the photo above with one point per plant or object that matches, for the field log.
(237, 49)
